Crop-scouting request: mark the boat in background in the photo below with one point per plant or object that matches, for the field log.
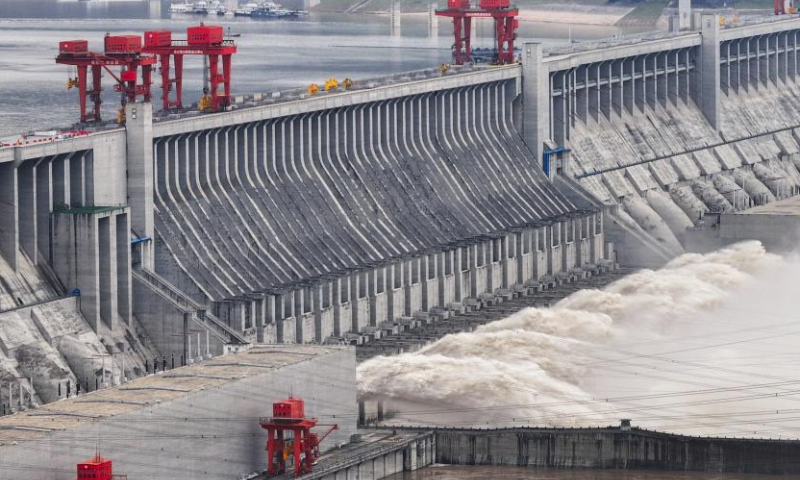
(270, 9)
(246, 11)
(180, 8)
(200, 8)
(197, 8)
(218, 7)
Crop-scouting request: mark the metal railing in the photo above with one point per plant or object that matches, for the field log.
(258, 99)
(618, 41)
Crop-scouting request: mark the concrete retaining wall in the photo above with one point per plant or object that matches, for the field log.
(406, 456)
(613, 448)
(209, 434)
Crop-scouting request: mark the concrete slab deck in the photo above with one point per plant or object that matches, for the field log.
(107, 403)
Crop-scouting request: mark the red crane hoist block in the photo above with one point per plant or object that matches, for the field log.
(494, 4)
(205, 35)
(97, 468)
(128, 76)
(291, 408)
(73, 46)
(159, 38)
(123, 44)
(458, 4)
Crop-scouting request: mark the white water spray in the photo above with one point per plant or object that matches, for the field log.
(703, 345)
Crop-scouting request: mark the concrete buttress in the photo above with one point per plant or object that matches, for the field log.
(139, 127)
(536, 97)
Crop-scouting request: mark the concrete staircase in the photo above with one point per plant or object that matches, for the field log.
(199, 314)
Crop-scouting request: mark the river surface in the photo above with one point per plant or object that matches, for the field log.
(450, 472)
(273, 54)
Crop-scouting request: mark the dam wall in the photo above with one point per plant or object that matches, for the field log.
(336, 221)
(292, 219)
(615, 448)
(316, 219)
(673, 127)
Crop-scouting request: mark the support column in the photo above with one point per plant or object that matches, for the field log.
(488, 255)
(61, 181)
(107, 267)
(408, 280)
(317, 302)
(280, 314)
(336, 300)
(457, 272)
(519, 249)
(536, 99)
(504, 254)
(441, 270)
(270, 317)
(355, 278)
(710, 71)
(9, 214)
(473, 271)
(139, 127)
(299, 309)
(392, 271)
(87, 265)
(123, 259)
(44, 205)
(372, 292)
(26, 185)
(424, 272)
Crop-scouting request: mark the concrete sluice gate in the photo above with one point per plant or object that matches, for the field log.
(323, 219)
(678, 131)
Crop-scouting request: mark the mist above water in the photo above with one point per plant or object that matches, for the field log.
(705, 345)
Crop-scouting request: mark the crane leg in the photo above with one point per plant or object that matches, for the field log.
(179, 81)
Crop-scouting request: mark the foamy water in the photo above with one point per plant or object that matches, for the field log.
(707, 345)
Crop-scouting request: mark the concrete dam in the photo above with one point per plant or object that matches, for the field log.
(328, 218)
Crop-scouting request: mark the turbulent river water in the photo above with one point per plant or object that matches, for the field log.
(706, 345)
(447, 472)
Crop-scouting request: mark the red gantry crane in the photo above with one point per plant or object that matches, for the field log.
(506, 24)
(124, 51)
(205, 41)
(288, 416)
(127, 52)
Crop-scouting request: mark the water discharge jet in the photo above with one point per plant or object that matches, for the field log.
(680, 348)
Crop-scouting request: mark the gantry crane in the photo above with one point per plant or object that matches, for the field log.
(123, 51)
(288, 416)
(128, 52)
(505, 20)
(203, 40)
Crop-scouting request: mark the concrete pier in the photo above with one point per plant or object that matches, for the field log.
(615, 448)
